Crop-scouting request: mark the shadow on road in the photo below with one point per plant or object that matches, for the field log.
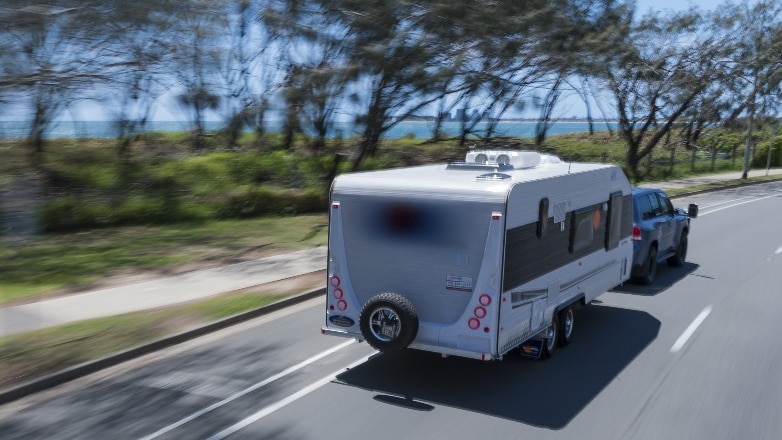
(541, 393)
(666, 277)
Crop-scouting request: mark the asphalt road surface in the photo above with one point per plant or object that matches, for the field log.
(696, 355)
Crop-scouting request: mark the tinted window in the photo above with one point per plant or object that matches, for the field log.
(586, 222)
(644, 207)
(614, 229)
(656, 208)
(665, 204)
(542, 218)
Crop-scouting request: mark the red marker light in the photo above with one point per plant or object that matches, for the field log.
(335, 281)
(338, 293)
(342, 305)
(636, 232)
(473, 323)
(484, 299)
(480, 312)
(335, 205)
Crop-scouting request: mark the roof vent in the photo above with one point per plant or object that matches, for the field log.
(473, 166)
(493, 176)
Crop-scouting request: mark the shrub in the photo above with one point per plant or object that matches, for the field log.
(256, 201)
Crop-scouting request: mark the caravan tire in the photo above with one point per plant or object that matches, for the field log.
(567, 319)
(550, 342)
(388, 322)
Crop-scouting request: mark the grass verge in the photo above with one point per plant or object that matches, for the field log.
(85, 260)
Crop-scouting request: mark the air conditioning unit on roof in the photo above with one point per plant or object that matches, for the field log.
(519, 159)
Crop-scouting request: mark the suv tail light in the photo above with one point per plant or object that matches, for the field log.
(636, 232)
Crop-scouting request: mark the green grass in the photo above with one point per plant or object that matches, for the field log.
(26, 356)
(55, 261)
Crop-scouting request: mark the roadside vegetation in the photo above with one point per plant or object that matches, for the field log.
(308, 63)
(99, 219)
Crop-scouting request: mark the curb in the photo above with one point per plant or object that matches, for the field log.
(86, 368)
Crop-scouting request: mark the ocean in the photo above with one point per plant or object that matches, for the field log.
(413, 129)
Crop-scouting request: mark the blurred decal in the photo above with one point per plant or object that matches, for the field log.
(341, 321)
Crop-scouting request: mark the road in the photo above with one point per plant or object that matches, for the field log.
(695, 355)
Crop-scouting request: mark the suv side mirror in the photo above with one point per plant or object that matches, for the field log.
(692, 210)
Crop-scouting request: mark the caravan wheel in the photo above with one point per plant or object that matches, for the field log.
(551, 338)
(388, 322)
(567, 318)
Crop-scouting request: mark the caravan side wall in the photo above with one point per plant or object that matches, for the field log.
(578, 247)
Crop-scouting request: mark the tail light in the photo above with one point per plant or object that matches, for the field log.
(636, 232)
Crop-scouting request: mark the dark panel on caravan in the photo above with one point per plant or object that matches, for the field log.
(528, 257)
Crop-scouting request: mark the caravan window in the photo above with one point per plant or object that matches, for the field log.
(585, 223)
(614, 218)
(542, 218)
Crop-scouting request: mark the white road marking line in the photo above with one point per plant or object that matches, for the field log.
(690, 330)
(737, 204)
(248, 390)
(284, 402)
(725, 201)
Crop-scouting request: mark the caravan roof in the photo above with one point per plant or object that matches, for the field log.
(488, 182)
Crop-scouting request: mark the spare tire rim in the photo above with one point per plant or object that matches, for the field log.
(384, 324)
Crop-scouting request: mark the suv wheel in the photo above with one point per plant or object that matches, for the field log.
(681, 252)
(651, 267)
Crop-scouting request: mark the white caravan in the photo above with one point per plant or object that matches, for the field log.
(475, 258)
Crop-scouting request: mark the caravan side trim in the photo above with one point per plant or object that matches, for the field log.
(587, 276)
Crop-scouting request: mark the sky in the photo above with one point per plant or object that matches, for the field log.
(675, 5)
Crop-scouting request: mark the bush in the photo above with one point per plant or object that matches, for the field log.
(72, 212)
(83, 212)
(760, 158)
(251, 202)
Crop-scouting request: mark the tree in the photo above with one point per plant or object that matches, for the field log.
(547, 105)
(246, 66)
(50, 59)
(755, 67)
(196, 50)
(665, 64)
(397, 64)
(136, 60)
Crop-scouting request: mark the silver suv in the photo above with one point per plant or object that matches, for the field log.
(659, 232)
